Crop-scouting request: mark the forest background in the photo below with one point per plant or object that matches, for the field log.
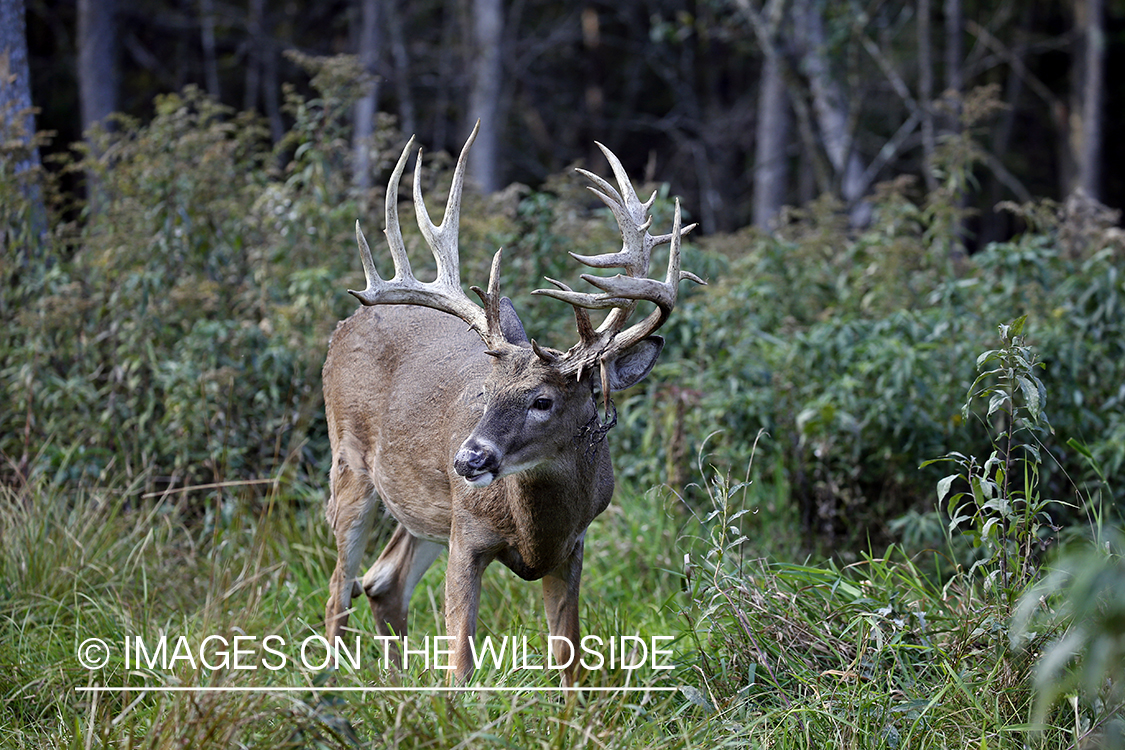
(893, 198)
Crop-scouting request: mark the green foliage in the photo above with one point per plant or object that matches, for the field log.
(873, 654)
(181, 338)
(1074, 616)
(178, 329)
(853, 350)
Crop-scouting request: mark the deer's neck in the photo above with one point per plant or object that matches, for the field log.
(550, 507)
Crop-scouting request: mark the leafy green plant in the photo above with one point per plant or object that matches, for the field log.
(876, 653)
(1002, 509)
(181, 338)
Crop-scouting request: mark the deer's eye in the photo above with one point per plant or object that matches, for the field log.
(541, 404)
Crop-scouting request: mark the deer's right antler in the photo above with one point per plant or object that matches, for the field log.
(443, 293)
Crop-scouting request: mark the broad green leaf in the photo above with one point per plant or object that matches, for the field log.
(1030, 395)
(943, 486)
(997, 402)
(985, 357)
(1033, 451)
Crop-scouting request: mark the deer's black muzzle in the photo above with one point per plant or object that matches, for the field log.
(478, 462)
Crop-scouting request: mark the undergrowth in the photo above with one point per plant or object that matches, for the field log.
(883, 652)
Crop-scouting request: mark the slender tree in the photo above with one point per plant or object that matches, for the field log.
(771, 168)
(407, 117)
(486, 89)
(1091, 16)
(97, 60)
(97, 74)
(926, 93)
(830, 105)
(16, 115)
(368, 43)
(210, 53)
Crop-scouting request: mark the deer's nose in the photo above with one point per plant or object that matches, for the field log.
(477, 461)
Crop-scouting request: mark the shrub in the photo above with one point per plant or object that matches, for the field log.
(854, 354)
(180, 338)
(177, 331)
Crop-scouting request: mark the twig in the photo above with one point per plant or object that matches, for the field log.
(211, 486)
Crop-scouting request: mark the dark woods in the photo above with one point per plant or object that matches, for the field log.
(746, 105)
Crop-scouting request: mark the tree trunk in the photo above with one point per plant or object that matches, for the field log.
(261, 85)
(1089, 153)
(771, 162)
(926, 94)
(17, 125)
(594, 98)
(831, 109)
(486, 88)
(97, 78)
(365, 108)
(954, 58)
(406, 115)
(210, 56)
(255, 46)
(97, 60)
(449, 79)
(16, 116)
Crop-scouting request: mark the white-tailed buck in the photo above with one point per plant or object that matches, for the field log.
(479, 439)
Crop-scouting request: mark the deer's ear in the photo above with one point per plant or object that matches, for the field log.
(632, 365)
(510, 324)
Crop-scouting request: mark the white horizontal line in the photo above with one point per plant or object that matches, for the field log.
(354, 689)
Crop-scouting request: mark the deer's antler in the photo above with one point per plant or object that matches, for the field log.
(621, 293)
(443, 293)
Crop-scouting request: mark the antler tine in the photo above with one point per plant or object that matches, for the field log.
(661, 293)
(632, 219)
(444, 293)
(491, 297)
(394, 239)
(586, 331)
(443, 239)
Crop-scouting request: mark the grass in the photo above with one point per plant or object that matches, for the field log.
(766, 654)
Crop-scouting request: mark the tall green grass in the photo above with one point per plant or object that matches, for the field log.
(876, 654)
(95, 565)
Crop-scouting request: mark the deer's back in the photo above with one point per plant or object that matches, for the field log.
(400, 395)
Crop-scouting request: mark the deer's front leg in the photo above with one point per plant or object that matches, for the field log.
(462, 600)
(560, 598)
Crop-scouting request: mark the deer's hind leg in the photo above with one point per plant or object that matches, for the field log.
(391, 580)
(351, 511)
